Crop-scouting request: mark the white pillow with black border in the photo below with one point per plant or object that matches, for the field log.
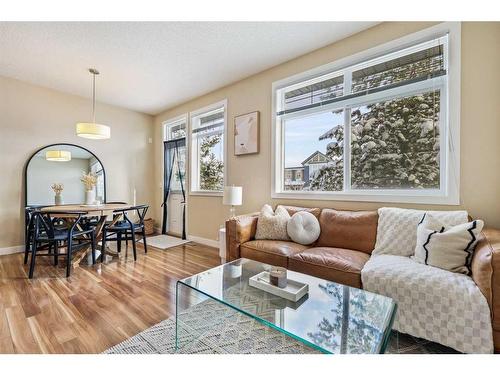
(446, 247)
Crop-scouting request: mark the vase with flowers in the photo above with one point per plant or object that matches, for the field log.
(58, 198)
(89, 181)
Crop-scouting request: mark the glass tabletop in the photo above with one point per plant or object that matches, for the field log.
(331, 318)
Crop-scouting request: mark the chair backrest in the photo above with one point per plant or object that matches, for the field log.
(141, 211)
(45, 221)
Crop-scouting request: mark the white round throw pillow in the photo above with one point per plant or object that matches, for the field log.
(303, 228)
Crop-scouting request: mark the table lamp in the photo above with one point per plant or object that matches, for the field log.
(233, 196)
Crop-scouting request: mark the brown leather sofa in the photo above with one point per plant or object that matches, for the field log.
(345, 245)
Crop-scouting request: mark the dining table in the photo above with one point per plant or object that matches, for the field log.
(105, 212)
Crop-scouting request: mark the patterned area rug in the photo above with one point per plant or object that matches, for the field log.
(221, 330)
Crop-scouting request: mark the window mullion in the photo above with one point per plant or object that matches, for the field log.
(347, 133)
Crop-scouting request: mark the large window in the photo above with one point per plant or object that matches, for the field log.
(370, 128)
(207, 149)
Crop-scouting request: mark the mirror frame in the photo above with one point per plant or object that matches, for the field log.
(58, 144)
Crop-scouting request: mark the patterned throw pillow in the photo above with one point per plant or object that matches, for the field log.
(397, 228)
(272, 225)
(448, 248)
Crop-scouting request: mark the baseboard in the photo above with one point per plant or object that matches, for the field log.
(204, 241)
(11, 250)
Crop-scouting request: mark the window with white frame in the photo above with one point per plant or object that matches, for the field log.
(368, 130)
(207, 149)
(176, 129)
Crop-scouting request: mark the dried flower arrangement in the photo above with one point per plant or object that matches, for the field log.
(89, 180)
(57, 188)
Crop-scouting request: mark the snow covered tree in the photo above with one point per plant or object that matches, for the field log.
(211, 168)
(394, 143)
(331, 177)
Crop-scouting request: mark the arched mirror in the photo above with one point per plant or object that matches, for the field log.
(53, 175)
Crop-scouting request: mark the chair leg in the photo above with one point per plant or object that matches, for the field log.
(56, 253)
(33, 257)
(144, 240)
(92, 238)
(68, 256)
(119, 242)
(27, 248)
(133, 244)
(103, 248)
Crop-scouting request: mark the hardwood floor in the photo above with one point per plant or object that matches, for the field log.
(98, 306)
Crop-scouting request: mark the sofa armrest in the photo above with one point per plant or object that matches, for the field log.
(239, 229)
(486, 275)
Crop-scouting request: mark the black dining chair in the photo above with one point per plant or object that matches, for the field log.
(29, 230)
(48, 232)
(29, 225)
(125, 229)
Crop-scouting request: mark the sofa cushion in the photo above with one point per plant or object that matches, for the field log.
(293, 210)
(397, 228)
(340, 265)
(271, 225)
(270, 251)
(434, 304)
(355, 230)
(449, 248)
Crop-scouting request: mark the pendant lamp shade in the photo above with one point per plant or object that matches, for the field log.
(92, 130)
(55, 155)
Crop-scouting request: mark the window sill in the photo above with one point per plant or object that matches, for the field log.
(382, 197)
(207, 193)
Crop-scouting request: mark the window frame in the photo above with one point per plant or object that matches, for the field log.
(192, 150)
(450, 140)
(165, 125)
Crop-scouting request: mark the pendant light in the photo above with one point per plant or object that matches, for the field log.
(92, 130)
(56, 155)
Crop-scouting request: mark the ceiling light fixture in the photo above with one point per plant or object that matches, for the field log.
(92, 130)
(56, 155)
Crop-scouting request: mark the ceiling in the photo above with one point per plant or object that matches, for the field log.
(151, 66)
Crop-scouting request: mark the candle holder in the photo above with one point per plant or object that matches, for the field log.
(277, 277)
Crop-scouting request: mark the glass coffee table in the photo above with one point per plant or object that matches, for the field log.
(331, 318)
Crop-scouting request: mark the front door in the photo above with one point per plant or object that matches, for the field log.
(175, 176)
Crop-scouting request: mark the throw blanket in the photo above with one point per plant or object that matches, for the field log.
(434, 304)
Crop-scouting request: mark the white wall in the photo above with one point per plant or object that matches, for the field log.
(32, 117)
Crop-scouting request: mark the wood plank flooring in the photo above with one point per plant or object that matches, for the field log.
(98, 306)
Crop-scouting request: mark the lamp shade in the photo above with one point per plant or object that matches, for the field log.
(93, 131)
(56, 155)
(233, 196)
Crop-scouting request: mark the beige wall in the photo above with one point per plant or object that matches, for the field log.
(32, 117)
(480, 127)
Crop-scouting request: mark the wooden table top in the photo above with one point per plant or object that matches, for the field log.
(103, 209)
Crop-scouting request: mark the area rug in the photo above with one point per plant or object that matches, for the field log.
(212, 328)
(164, 242)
